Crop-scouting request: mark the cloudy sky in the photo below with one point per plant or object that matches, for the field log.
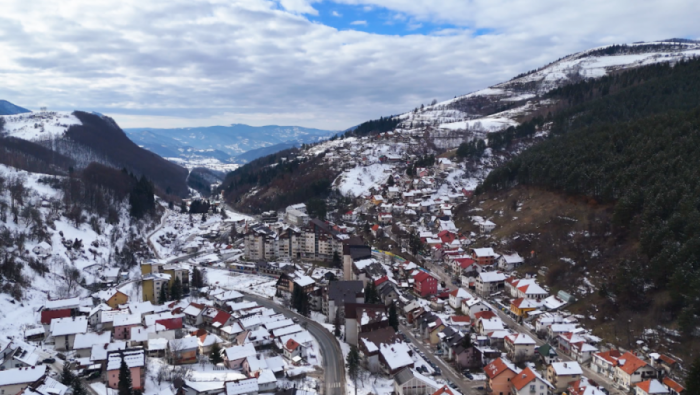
(320, 63)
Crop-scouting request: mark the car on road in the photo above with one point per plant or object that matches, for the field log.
(49, 360)
(437, 372)
(468, 375)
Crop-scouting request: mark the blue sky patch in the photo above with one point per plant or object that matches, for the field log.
(372, 19)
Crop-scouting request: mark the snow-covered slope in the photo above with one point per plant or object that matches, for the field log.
(503, 105)
(36, 126)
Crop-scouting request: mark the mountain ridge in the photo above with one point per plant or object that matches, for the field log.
(7, 108)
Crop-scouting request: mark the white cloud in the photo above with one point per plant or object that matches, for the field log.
(363, 23)
(298, 6)
(336, 14)
(178, 62)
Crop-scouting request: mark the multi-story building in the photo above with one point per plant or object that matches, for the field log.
(261, 243)
(151, 285)
(320, 242)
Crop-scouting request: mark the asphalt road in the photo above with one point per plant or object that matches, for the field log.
(333, 363)
(466, 386)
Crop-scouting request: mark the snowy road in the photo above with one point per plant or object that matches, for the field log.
(333, 364)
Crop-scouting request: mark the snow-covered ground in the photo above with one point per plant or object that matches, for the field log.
(39, 125)
(209, 163)
(358, 181)
(254, 284)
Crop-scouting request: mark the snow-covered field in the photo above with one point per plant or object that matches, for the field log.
(209, 163)
(39, 125)
(358, 181)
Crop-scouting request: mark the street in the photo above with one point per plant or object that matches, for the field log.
(333, 363)
(466, 387)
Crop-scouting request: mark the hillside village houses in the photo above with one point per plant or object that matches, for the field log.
(455, 298)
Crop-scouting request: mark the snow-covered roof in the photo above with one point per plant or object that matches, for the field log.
(186, 343)
(304, 281)
(266, 376)
(484, 252)
(490, 277)
(132, 358)
(59, 304)
(157, 344)
(288, 330)
(68, 326)
(240, 352)
(21, 375)
(567, 368)
(87, 340)
(99, 351)
(396, 355)
(520, 339)
(276, 364)
(242, 387)
(228, 295)
(127, 319)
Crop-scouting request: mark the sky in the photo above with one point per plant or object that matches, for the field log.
(328, 64)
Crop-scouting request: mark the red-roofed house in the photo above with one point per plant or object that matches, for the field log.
(651, 387)
(631, 370)
(292, 349)
(425, 284)
(445, 390)
(673, 387)
(381, 280)
(459, 264)
(528, 382)
(500, 374)
(171, 323)
(604, 363)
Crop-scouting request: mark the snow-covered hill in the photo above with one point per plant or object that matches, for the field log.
(44, 246)
(505, 104)
(39, 126)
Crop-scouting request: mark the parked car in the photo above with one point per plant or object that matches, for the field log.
(49, 360)
(437, 372)
(468, 375)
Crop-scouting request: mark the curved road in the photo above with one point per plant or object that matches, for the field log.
(333, 363)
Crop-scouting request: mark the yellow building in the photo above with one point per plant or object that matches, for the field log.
(434, 338)
(521, 307)
(116, 299)
(151, 286)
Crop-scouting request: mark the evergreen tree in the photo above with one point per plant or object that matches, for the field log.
(78, 388)
(336, 323)
(336, 260)
(163, 297)
(141, 198)
(215, 355)
(692, 382)
(176, 289)
(467, 341)
(353, 363)
(393, 317)
(390, 181)
(204, 217)
(371, 294)
(183, 207)
(67, 376)
(171, 205)
(124, 387)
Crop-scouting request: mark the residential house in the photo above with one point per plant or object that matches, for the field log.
(488, 325)
(114, 298)
(585, 386)
(457, 296)
(410, 382)
(500, 373)
(183, 351)
(560, 374)
(529, 382)
(488, 283)
(673, 387)
(368, 346)
(519, 346)
(234, 356)
(548, 354)
(468, 358)
(604, 363)
(293, 350)
(123, 323)
(521, 307)
(394, 357)
(84, 341)
(135, 360)
(631, 370)
(424, 284)
(242, 387)
(361, 318)
(193, 314)
(151, 285)
(510, 261)
(267, 382)
(223, 297)
(651, 387)
(484, 256)
(663, 362)
(64, 330)
(473, 306)
(13, 381)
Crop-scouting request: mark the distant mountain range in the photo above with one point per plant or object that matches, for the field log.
(236, 143)
(7, 108)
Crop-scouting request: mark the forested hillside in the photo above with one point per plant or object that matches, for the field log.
(631, 139)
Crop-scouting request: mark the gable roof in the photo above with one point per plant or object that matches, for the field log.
(630, 363)
(495, 368)
(652, 387)
(673, 385)
(525, 377)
